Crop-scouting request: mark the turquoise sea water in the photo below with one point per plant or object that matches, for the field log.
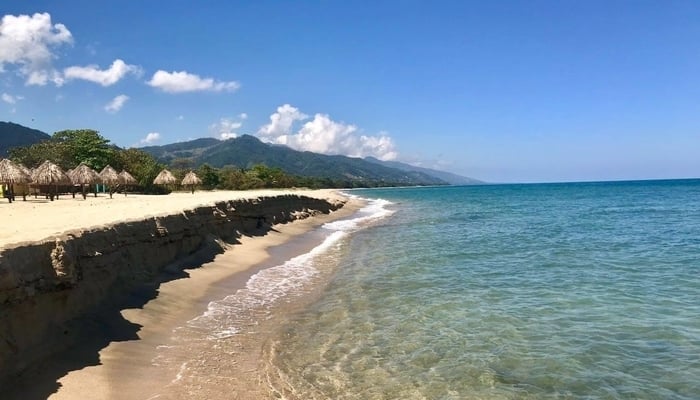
(555, 291)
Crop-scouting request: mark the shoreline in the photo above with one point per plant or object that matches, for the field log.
(136, 331)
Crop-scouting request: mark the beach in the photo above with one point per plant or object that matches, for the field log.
(124, 368)
(37, 219)
(580, 290)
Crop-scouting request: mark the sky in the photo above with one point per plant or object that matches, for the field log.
(502, 91)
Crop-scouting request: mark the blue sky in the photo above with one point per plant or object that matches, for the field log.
(527, 91)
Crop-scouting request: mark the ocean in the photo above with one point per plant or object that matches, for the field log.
(537, 291)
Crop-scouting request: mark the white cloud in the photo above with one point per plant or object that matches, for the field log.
(180, 82)
(150, 138)
(116, 104)
(29, 42)
(226, 128)
(42, 77)
(243, 116)
(10, 99)
(106, 77)
(325, 136)
(280, 125)
(180, 117)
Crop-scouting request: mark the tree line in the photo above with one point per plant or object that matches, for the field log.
(68, 148)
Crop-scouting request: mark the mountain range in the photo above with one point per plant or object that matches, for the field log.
(15, 135)
(246, 151)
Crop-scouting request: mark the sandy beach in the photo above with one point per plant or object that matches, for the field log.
(124, 368)
(37, 219)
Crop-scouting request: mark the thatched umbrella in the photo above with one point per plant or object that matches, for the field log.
(26, 170)
(127, 179)
(11, 173)
(110, 177)
(165, 177)
(191, 180)
(83, 175)
(29, 185)
(51, 175)
(25, 186)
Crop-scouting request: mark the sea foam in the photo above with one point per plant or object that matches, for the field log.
(226, 317)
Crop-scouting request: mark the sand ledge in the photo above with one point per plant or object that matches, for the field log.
(44, 286)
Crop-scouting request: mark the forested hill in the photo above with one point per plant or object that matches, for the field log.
(246, 151)
(452, 179)
(15, 135)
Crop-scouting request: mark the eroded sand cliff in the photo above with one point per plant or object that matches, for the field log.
(45, 286)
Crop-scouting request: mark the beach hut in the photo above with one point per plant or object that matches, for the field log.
(50, 175)
(83, 175)
(191, 180)
(165, 178)
(24, 188)
(10, 174)
(127, 180)
(110, 177)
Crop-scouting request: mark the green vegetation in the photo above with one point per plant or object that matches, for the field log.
(69, 148)
(235, 164)
(246, 152)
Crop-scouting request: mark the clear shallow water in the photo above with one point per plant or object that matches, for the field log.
(561, 291)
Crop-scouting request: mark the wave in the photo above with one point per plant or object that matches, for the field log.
(226, 317)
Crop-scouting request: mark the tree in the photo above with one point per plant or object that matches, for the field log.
(231, 178)
(85, 145)
(139, 164)
(37, 153)
(209, 176)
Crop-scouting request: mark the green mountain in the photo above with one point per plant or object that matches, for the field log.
(452, 179)
(15, 135)
(246, 151)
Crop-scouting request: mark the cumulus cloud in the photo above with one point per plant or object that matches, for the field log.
(280, 125)
(106, 77)
(116, 104)
(150, 138)
(226, 128)
(182, 81)
(10, 99)
(324, 135)
(28, 42)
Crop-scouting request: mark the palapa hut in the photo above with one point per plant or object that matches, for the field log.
(10, 174)
(24, 188)
(165, 178)
(83, 175)
(127, 180)
(191, 180)
(50, 175)
(110, 177)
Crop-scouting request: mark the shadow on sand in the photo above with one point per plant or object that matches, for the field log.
(92, 332)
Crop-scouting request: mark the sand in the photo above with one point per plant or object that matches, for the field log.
(37, 219)
(125, 369)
